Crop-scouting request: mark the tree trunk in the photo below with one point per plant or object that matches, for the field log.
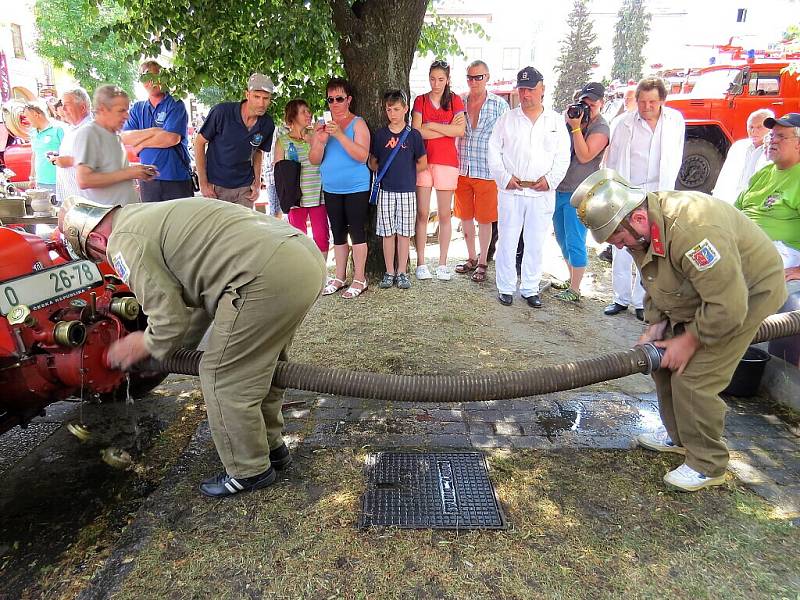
(378, 39)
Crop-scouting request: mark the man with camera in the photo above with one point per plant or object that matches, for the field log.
(589, 134)
(646, 149)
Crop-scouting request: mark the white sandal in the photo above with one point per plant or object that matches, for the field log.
(333, 285)
(353, 292)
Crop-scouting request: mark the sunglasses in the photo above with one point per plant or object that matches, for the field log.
(336, 99)
(476, 77)
(440, 64)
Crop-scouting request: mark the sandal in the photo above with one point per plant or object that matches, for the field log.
(557, 284)
(569, 295)
(333, 285)
(467, 266)
(479, 276)
(354, 292)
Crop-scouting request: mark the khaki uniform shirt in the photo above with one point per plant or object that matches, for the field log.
(183, 254)
(707, 266)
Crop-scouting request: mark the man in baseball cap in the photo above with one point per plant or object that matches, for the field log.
(230, 145)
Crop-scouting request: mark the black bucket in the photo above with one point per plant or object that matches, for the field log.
(747, 376)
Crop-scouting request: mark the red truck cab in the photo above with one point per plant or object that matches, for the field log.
(717, 108)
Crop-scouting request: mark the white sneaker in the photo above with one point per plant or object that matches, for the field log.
(686, 479)
(422, 272)
(443, 273)
(659, 441)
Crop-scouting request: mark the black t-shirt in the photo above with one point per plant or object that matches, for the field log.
(402, 173)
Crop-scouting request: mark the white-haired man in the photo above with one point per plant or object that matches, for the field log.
(78, 112)
(745, 157)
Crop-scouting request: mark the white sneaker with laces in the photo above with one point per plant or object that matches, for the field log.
(686, 479)
(422, 272)
(659, 441)
(443, 273)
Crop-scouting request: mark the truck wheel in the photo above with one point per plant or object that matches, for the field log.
(701, 165)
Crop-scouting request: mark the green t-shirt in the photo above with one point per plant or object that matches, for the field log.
(773, 202)
(42, 142)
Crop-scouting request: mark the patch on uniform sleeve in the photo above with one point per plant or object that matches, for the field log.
(704, 255)
(121, 267)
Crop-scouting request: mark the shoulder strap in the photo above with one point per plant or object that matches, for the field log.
(395, 150)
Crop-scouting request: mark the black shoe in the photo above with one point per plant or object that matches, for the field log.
(606, 254)
(533, 301)
(224, 485)
(640, 314)
(615, 308)
(280, 458)
(505, 299)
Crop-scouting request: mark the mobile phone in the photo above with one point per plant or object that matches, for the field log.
(327, 116)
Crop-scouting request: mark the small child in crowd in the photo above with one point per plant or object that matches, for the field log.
(397, 198)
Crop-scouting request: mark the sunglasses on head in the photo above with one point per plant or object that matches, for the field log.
(476, 77)
(336, 99)
(395, 95)
(440, 64)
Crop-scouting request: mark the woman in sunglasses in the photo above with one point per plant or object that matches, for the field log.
(341, 148)
(439, 117)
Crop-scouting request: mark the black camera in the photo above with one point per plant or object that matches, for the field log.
(579, 109)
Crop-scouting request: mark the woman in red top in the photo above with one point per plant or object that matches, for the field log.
(439, 117)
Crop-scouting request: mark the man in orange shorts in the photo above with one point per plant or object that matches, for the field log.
(476, 194)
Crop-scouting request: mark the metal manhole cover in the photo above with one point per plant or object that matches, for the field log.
(429, 490)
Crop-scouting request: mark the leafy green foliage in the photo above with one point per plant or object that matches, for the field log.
(76, 34)
(578, 54)
(633, 25)
(438, 34)
(792, 33)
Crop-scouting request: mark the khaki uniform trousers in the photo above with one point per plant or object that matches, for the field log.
(691, 409)
(253, 328)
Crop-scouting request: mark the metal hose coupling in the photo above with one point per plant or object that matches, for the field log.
(653, 356)
(69, 334)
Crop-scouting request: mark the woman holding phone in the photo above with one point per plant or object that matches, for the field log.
(341, 148)
(439, 117)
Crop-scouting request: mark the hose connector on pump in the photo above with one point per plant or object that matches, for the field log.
(653, 357)
(70, 334)
(126, 308)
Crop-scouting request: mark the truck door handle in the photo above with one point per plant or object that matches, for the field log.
(779, 103)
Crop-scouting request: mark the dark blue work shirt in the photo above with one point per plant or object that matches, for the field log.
(170, 115)
(231, 146)
(402, 173)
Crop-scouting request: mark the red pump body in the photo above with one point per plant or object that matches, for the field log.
(57, 318)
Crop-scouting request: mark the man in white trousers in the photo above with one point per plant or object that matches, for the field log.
(646, 148)
(529, 153)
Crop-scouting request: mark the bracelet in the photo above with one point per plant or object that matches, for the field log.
(576, 130)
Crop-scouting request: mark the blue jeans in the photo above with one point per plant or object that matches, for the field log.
(570, 232)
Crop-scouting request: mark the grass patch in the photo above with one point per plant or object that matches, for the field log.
(583, 525)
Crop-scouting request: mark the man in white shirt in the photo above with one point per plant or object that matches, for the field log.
(646, 148)
(529, 153)
(77, 109)
(745, 157)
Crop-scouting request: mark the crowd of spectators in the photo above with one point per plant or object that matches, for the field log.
(511, 172)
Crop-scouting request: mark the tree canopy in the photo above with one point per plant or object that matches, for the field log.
(630, 37)
(578, 54)
(78, 35)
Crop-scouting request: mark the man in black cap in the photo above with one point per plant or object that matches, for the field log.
(528, 157)
(772, 199)
(589, 134)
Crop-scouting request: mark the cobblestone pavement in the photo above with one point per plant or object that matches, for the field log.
(765, 452)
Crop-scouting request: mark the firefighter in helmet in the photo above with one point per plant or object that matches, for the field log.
(711, 277)
(255, 276)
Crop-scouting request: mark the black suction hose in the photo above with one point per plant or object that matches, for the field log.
(465, 388)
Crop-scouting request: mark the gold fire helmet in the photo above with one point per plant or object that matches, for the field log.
(77, 219)
(603, 200)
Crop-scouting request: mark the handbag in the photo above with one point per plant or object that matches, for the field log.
(373, 197)
(190, 168)
(287, 184)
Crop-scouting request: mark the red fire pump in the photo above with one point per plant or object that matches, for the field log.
(58, 316)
